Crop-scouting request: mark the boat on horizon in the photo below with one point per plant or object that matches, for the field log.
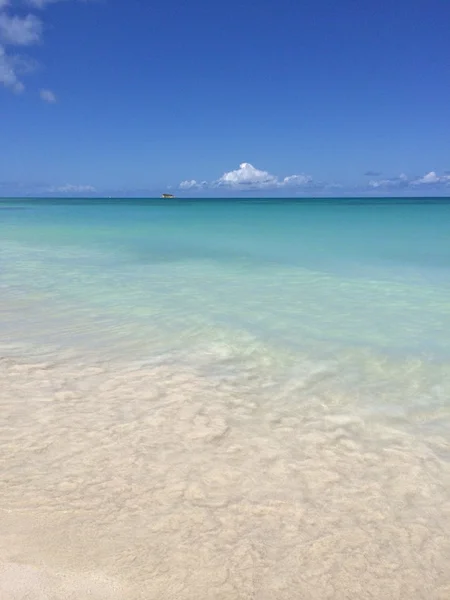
(166, 196)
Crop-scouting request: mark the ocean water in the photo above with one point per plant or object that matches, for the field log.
(225, 399)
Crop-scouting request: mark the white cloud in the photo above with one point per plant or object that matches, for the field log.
(69, 188)
(3, 3)
(247, 175)
(20, 31)
(48, 96)
(432, 178)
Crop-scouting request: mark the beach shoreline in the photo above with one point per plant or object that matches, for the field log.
(225, 401)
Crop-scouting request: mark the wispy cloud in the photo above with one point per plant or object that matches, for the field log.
(18, 30)
(403, 181)
(8, 72)
(43, 3)
(44, 189)
(249, 177)
(192, 184)
(393, 182)
(11, 67)
(70, 188)
(294, 181)
(372, 173)
(48, 96)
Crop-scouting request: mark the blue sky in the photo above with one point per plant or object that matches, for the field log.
(116, 97)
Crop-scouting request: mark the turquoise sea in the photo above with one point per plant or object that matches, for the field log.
(236, 382)
(292, 274)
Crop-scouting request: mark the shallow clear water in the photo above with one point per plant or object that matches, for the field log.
(265, 381)
(372, 274)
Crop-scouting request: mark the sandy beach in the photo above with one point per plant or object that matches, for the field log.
(137, 482)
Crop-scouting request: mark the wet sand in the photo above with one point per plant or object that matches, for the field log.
(159, 482)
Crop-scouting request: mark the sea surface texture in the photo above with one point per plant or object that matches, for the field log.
(225, 400)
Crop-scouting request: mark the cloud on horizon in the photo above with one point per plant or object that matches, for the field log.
(432, 183)
(248, 177)
(70, 188)
(192, 184)
(431, 179)
(400, 181)
(39, 189)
